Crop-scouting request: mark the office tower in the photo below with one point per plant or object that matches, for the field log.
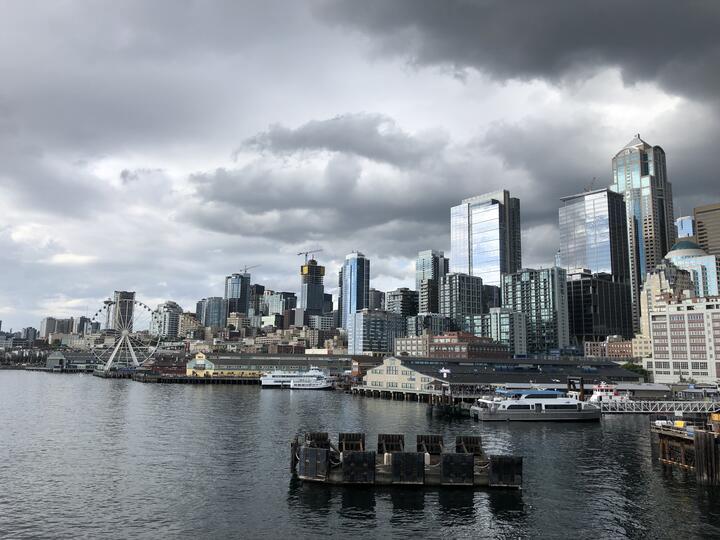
(123, 307)
(339, 310)
(593, 234)
(276, 303)
(640, 175)
(312, 290)
(64, 326)
(47, 327)
(492, 297)
(685, 227)
(542, 296)
(81, 325)
(215, 312)
(460, 296)
(707, 227)
(403, 301)
(29, 333)
(374, 331)
(237, 293)
(703, 268)
(355, 285)
(376, 299)
(428, 323)
(485, 237)
(166, 319)
(598, 307)
(327, 303)
(685, 345)
(430, 266)
(502, 325)
(200, 311)
(665, 280)
(256, 300)
(189, 324)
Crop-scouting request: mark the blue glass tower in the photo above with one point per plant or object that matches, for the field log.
(355, 285)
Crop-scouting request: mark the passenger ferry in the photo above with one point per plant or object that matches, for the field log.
(605, 392)
(533, 405)
(313, 379)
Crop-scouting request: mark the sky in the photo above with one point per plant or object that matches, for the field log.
(159, 146)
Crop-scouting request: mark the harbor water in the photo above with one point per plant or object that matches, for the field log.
(82, 457)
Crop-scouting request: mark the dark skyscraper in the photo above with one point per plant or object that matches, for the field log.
(403, 301)
(312, 290)
(237, 292)
(355, 285)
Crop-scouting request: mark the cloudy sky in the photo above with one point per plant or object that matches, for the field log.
(158, 146)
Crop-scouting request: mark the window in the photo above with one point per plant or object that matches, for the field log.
(524, 407)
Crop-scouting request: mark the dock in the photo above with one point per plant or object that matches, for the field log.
(314, 458)
(692, 448)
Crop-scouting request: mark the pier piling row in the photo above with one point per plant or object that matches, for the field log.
(317, 459)
(696, 451)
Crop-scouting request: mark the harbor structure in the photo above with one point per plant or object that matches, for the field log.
(485, 237)
(542, 296)
(355, 292)
(640, 175)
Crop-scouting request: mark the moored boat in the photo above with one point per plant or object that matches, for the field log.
(313, 379)
(533, 405)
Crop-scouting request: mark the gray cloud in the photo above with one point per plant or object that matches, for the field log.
(672, 43)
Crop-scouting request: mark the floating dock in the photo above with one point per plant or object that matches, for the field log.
(315, 458)
(692, 448)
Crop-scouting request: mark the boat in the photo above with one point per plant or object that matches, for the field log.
(532, 405)
(604, 393)
(313, 379)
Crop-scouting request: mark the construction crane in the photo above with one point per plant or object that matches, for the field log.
(306, 253)
(591, 185)
(246, 268)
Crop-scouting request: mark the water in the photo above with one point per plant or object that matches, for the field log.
(86, 457)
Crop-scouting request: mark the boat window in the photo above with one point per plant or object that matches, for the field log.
(518, 406)
(540, 396)
(553, 406)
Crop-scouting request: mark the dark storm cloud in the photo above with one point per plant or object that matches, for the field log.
(373, 136)
(672, 43)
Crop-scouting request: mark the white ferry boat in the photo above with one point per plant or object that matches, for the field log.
(533, 406)
(313, 379)
(604, 393)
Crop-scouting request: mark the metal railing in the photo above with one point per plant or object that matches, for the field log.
(651, 407)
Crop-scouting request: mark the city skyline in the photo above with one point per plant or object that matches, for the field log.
(133, 165)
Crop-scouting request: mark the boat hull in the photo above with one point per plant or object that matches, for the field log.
(485, 415)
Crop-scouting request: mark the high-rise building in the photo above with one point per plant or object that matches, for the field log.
(340, 311)
(215, 312)
(403, 301)
(707, 227)
(374, 331)
(276, 303)
(542, 296)
(665, 280)
(312, 290)
(237, 293)
(327, 303)
(30, 334)
(502, 325)
(376, 299)
(598, 307)
(48, 326)
(81, 325)
(593, 234)
(123, 310)
(685, 340)
(485, 237)
(685, 226)
(166, 319)
(703, 268)
(257, 292)
(640, 175)
(460, 295)
(355, 285)
(430, 266)
(189, 324)
(200, 311)
(428, 323)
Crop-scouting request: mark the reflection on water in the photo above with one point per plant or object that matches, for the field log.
(85, 457)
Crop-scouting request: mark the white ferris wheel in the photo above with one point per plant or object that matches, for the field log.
(130, 332)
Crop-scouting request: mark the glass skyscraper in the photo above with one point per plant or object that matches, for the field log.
(485, 237)
(355, 291)
(593, 234)
(237, 293)
(640, 174)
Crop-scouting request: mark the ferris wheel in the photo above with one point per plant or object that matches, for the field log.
(130, 332)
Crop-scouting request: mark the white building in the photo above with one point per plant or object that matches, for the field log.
(685, 340)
